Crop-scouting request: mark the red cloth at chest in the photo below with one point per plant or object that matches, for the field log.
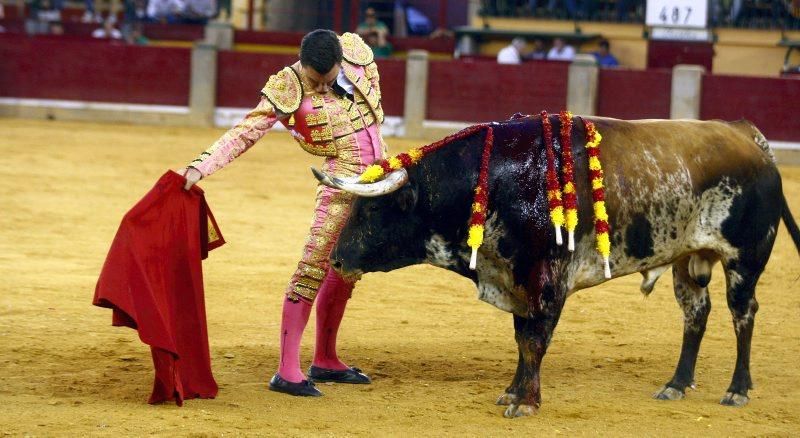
(153, 280)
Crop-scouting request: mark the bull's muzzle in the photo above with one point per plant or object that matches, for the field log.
(338, 266)
(389, 184)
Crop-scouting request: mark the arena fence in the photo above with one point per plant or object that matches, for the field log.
(61, 77)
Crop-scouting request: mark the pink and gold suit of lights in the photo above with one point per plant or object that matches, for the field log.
(346, 132)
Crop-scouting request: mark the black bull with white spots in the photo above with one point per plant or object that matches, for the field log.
(685, 194)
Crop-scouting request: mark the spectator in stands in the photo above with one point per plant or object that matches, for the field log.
(135, 36)
(108, 31)
(561, 51)
(47, 10)
(580, 9)
(378, 51)
(43, 13)
(55, 28)
(164, 11)
(2, 15)
(374, 33)
(417, 22)
(90, 13)
(134, 14)
(197, 11)
(604, 57)
(512, 53)
(725, 11)
(534, 5)
(223, 5)
(538, 52)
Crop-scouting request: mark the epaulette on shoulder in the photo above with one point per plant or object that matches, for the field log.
(355, 50)
(284, 90)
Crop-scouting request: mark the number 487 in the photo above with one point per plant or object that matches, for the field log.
(673, 15)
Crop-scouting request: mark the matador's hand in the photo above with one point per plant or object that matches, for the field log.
(192, 176)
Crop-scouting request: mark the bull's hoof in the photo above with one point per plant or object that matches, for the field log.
(506, 399)
(733, 399)
(669, 393)
(519, 410)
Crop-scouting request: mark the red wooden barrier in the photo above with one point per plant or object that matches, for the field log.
(174, 32)
(668, 54)
(634, 94)
(98, 71)
(241, 75)
(435, 45)
(479, 91)
(767, 102)
(273, 38)
(393, 85)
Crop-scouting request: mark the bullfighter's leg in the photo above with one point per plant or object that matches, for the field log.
(743, 306)
(533, 335)
(331, 302)
(330, 214)
(696, 304)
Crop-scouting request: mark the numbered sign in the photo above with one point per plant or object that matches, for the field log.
(677, 13)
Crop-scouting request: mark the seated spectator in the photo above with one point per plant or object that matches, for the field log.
(418, 23)
(197, 11)
(43, 13)
(561, 51)
(223, 5)
(90, 13)
(374, 33)
(135, 36)
(534, 5)
(134, 14)
(164, 11)
(604, 57)
(512, 53)
(378, 51)
(55, 28)
(108, 31)
(538, 52)
(47, 10)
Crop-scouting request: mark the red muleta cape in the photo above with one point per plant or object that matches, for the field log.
(153, 280)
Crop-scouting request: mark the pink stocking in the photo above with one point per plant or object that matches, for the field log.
(331, 301)
(293, 322)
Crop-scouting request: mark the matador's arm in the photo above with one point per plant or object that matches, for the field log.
(238, 139)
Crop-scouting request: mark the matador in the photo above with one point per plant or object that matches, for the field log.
(330, 101)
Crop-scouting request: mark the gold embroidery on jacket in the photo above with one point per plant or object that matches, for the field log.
(284, 90)
(355, 50)
(322, 150)
(315, 119)
(322, 134)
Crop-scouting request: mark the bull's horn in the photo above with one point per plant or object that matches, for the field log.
(390, 183)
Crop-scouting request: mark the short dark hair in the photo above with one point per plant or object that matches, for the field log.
(604, 43)
(320, 50)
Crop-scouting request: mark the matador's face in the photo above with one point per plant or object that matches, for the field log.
(321, 83)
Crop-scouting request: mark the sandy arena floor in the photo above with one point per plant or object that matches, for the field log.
(438, 356)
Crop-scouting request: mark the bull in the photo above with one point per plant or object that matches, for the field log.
(681, 194)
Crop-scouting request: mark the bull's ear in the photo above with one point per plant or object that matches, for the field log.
(407, 198)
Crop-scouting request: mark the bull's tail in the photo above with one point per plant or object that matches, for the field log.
(763, 144)
(790, 223)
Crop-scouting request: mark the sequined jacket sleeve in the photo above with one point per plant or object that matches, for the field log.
(238, 139)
